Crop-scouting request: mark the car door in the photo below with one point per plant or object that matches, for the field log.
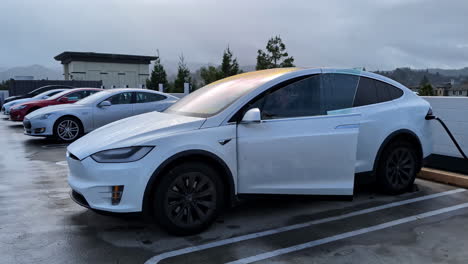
(147, 102)
(304, 143)
(121, 107)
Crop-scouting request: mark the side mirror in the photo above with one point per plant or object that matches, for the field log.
(63, 100)
(104, 104)
(45, 97)
(252, 116)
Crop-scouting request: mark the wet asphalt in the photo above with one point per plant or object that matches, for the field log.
(39, 223)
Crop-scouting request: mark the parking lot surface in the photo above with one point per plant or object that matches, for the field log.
(39, 223)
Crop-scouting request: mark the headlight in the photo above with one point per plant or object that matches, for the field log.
(19, 107)
(121, 154)
(45, 116)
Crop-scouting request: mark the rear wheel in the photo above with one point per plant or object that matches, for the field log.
(68, 129)
(188, 198)
(397, 167)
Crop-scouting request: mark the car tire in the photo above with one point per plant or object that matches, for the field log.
(68, 129)
(188, 198)
(397, 167)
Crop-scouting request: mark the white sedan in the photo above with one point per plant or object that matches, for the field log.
(6, 107)
(70, 121)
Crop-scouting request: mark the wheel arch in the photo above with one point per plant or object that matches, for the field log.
(80, 122)
(402, 134)
(69, 115)
(191, 155)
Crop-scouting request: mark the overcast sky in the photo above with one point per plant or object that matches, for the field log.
(375, 34)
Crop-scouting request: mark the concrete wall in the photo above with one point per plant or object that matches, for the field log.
(111, 74)
(3, 95)
(454, 112)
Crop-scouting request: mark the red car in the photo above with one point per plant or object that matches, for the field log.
(18, 112)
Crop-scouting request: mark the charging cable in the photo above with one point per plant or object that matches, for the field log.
(430, 116)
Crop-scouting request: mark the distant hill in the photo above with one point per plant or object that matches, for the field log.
(38, 71)
(412, 77)
(450, 72)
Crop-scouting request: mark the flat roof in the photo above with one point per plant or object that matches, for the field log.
(68, 56)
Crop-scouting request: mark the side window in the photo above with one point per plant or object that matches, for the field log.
(148, 97)
(338, 91)
(121, 98)
(372, 92)
(387, 92)
(301, 98)
(366, 93)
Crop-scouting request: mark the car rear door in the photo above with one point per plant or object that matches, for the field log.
(147, 102)
(305, 144)
(121, 107)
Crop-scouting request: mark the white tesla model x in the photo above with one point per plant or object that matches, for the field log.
(278, 131)
(70, 121)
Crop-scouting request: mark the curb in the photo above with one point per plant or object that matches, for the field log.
(446, 177)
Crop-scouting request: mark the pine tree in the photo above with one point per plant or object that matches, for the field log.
(229, 66)
(210, 74)
(426, 90)
(183, 76)
(275, 55)
(158, 75)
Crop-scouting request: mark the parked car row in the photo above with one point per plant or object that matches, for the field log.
(67, 114)
(279, 131)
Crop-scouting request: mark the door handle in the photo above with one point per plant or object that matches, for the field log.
(347, 126)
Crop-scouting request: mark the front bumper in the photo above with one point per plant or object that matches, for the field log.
(16, 115)
(93, 182)
(38, 127)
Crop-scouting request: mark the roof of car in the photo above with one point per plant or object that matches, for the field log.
(137, 90)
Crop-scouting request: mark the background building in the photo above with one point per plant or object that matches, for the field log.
(114, 70)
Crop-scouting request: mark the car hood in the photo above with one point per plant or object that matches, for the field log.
(133, 131)
(19, 101)
(10, 98)
(54, 108)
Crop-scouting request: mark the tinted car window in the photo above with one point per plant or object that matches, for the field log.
(148, 97)
(301, 98)
(372, 91)
(121, 98)
(53, 93)
(366, 93)
(80, 95)
(387, 92)
(338, 91)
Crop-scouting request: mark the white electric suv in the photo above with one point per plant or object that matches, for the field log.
(278, 131)
(68, 122)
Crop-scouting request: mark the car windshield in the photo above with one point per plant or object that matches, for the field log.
(94, 97)
(39, 96)
(215, 97)
(58, 95)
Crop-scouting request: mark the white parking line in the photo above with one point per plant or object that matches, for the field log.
(62, 163)
(187, 250)
(318, 242)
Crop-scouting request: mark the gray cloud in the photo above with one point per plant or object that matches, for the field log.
(376, 34)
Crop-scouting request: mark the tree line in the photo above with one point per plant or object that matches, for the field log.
(274, 56)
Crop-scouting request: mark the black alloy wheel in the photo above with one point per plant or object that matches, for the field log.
(188, 198)
(398, 167)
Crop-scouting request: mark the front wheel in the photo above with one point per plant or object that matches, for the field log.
(68, 129)
(397, 167)
(188, 198)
